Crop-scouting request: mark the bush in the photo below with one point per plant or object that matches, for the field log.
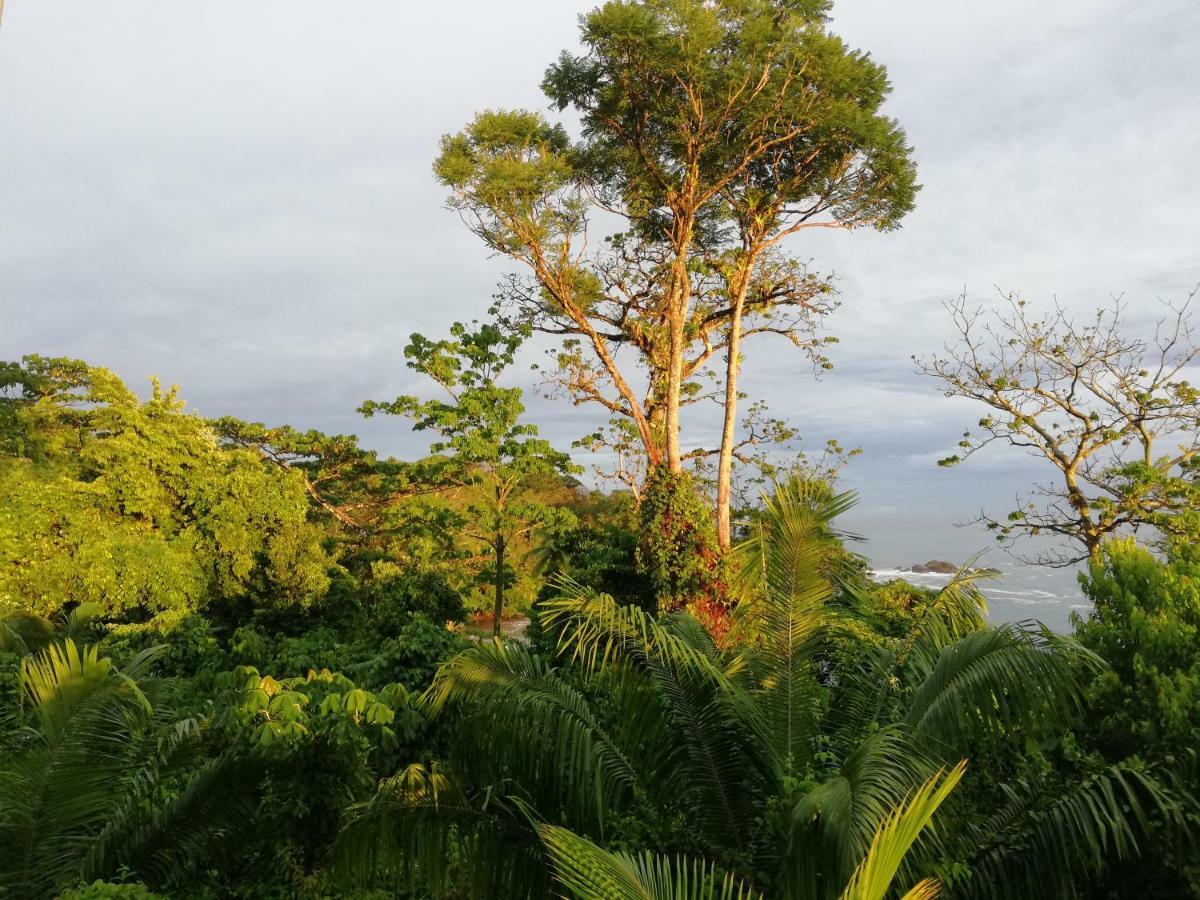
(895, 606)
(107, 890)
(393, 598)
(1146, 626)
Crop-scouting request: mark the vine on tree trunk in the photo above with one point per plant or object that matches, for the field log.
(678, 550)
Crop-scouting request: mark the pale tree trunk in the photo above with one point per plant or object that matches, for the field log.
(733, 365)
(674, 393)
(729, 426)
(679, 301)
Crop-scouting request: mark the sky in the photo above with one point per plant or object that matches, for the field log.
(237, 197)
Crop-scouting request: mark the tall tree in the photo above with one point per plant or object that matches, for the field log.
(711, 131)
(483, 448)
(1112, 413)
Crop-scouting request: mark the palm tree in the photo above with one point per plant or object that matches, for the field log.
(551, 552)
(93, 779)
(24, 633)
(779, 759)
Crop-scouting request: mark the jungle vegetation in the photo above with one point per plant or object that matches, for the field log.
(247, 660)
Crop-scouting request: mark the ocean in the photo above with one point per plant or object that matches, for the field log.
(1021, 593)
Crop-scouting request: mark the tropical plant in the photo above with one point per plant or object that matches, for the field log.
(780, 759)
(98, 780)
(82, 779)
(1145, 708)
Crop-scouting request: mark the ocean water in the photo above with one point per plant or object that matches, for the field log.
(1020, 593)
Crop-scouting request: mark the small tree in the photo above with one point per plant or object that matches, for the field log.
(1145, 705)
(1113, 414)
(484, 449)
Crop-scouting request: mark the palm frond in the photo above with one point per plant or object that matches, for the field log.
(589, 872)
(720, 764)
(1048, 838)
(422, 831)
(797, 516)
(996, 678)
(958, 610)
(162, 842)
(832, 825)
(64, 782)
(895, 837)
(594, 630)
(787, 569)
(536, 727)
(78, 622)
(866, 693)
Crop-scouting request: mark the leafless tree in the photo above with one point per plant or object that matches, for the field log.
(1112, 413)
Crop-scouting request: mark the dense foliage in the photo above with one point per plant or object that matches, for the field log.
(246, 660)
(1146, 706)
(135, 504)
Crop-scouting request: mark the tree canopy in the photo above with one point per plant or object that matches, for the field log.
(137, 506)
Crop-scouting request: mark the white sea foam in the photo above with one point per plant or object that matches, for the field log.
(1031, 593)
(889, 574)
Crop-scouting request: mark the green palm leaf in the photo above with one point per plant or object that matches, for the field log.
(719, 765)
(788, 567)
(588, 872)
(64, 780)
(894, 838)
(422, 831)
(958, 610)
(536, 727)
(1048, 838)
(994, 679)
(833, 824)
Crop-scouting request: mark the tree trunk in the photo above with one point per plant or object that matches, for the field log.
(677, 312)
(733, 365)
(729, 427)
(1093, 534)
(499, 586)
(674, 394)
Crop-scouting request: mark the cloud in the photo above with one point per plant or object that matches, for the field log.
(238, 197)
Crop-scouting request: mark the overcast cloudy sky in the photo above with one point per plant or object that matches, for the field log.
(237, 197)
